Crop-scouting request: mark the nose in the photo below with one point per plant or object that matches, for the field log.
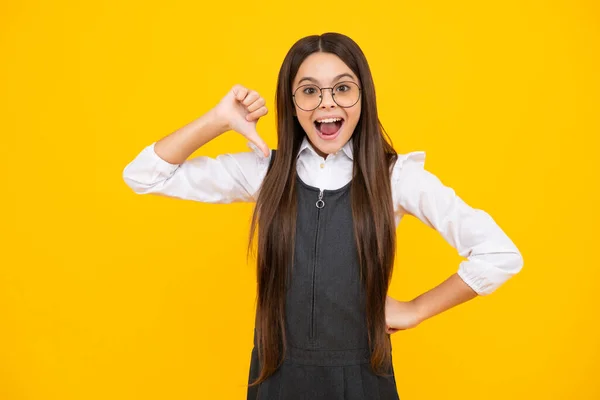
(327, 100)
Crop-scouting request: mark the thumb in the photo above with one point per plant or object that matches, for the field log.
(256, 143)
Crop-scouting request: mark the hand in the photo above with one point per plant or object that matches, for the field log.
(240, 110)
(400, 315)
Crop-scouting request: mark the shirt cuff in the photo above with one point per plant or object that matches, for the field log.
(162, 167)
(484, 277)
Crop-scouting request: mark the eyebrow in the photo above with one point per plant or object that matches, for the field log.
(308, 78)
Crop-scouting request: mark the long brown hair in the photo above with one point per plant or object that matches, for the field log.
(372, 210)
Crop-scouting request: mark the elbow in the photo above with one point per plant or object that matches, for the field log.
(515, 263)
(519, 263)
(512, 266)
(132, 183)
(147, 173)
(487, 272)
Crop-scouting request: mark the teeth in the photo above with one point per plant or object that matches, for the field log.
(325, 120)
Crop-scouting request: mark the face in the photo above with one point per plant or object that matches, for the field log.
(330, 125)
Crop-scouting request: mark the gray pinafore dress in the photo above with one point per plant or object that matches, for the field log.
(327, 355)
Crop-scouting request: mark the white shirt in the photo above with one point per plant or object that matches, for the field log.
(492, 258)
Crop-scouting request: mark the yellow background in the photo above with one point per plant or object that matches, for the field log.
(107, 294)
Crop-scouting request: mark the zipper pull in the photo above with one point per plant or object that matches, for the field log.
(320, 203)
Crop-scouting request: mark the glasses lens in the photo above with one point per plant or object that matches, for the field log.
(346, 94)
(307, 97)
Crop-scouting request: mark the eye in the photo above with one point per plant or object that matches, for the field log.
(309, 90)
(343, 88)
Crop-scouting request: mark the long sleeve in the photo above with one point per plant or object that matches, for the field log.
(492, 258)
(227, 178)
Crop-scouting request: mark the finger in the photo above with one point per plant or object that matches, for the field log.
(257, 114)
(249, 132)
(261, 145)
(251, 98)
(256, 105)
(240, 92)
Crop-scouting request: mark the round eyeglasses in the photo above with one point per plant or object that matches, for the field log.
(309, 97)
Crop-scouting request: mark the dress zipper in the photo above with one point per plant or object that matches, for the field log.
(320, 204)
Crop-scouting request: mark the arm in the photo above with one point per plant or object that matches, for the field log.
(452, 292)
(403, 315)
(492, 258)
(227, 178)
(162, 167)
(178, 146)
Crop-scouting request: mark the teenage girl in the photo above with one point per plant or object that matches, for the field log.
(328, 202)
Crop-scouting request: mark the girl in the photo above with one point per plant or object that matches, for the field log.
(328, 202)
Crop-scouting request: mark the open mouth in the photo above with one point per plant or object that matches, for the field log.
(330, 127)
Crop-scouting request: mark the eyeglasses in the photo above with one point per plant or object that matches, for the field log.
(309, 97)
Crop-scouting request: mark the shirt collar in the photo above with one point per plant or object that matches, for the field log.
(306, 145)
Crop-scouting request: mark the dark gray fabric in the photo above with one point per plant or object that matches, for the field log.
(328, 351)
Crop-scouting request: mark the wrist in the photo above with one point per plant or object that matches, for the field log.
(420, 309)
(217, 121)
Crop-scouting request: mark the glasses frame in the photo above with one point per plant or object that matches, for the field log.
(332, 94)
